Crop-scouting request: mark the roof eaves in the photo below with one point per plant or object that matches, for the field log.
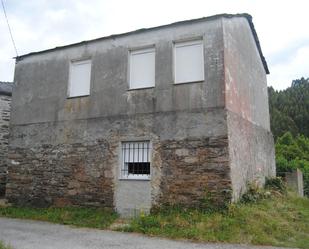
(6, 88)
(249, 18)
(114, 36)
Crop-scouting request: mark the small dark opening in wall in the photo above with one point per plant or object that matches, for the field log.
(136, 168)
(2, 185)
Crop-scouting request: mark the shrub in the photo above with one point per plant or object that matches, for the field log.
(254, 194)
(3, 246)
(275, 183)
(272, 186)
(292, 153)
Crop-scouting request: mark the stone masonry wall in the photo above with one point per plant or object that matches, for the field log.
(194, 170)
(62, 175)
(189, 170)
(77, 162)
(5, 106)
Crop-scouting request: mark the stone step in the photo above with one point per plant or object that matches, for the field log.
(119, 224)
(4, 203)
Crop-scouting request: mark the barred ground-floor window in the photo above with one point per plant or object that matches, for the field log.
(136, 160)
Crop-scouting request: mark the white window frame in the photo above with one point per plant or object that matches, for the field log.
(136, 51)
(78, 62)
(184, 43)
(127, 176)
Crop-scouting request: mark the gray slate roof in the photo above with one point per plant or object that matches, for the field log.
(6, 88)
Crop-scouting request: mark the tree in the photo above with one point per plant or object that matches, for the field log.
(291, 153)
(289, 109)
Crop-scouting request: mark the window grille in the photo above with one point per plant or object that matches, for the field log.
(136, 160)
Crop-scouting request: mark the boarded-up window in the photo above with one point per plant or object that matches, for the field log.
(79, 83)
(188, 61)
(142, 68)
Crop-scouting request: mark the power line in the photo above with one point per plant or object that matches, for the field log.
(7, 21)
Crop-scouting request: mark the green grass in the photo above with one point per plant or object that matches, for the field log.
(4, 246)
(76, 216)
(277, 221)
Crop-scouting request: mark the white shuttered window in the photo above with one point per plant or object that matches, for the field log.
(79, 82)
(142, 68)
(188, 61)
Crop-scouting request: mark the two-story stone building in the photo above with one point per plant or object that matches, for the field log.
(5, 107)
(165, 115)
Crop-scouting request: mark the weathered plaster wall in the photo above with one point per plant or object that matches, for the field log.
(251, 153)
(133, 197)
(42, 80)
(5, 106)
(245, 77)
(250, 140)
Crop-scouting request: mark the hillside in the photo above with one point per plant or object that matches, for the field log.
(289, 109)
(289, 117)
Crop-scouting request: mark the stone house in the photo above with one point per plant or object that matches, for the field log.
(5, 106)
(165, 115)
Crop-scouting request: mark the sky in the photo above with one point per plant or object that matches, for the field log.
(281, 25)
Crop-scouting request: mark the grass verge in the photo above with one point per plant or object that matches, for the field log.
(4, 246)
(278, 221)
(76, 216)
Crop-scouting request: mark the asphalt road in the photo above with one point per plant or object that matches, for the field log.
(25, 234)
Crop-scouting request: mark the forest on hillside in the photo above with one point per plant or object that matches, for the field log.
(289, 109)
(289, 121)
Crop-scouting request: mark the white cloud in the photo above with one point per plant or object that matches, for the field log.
(283, 73)
(42, 24)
